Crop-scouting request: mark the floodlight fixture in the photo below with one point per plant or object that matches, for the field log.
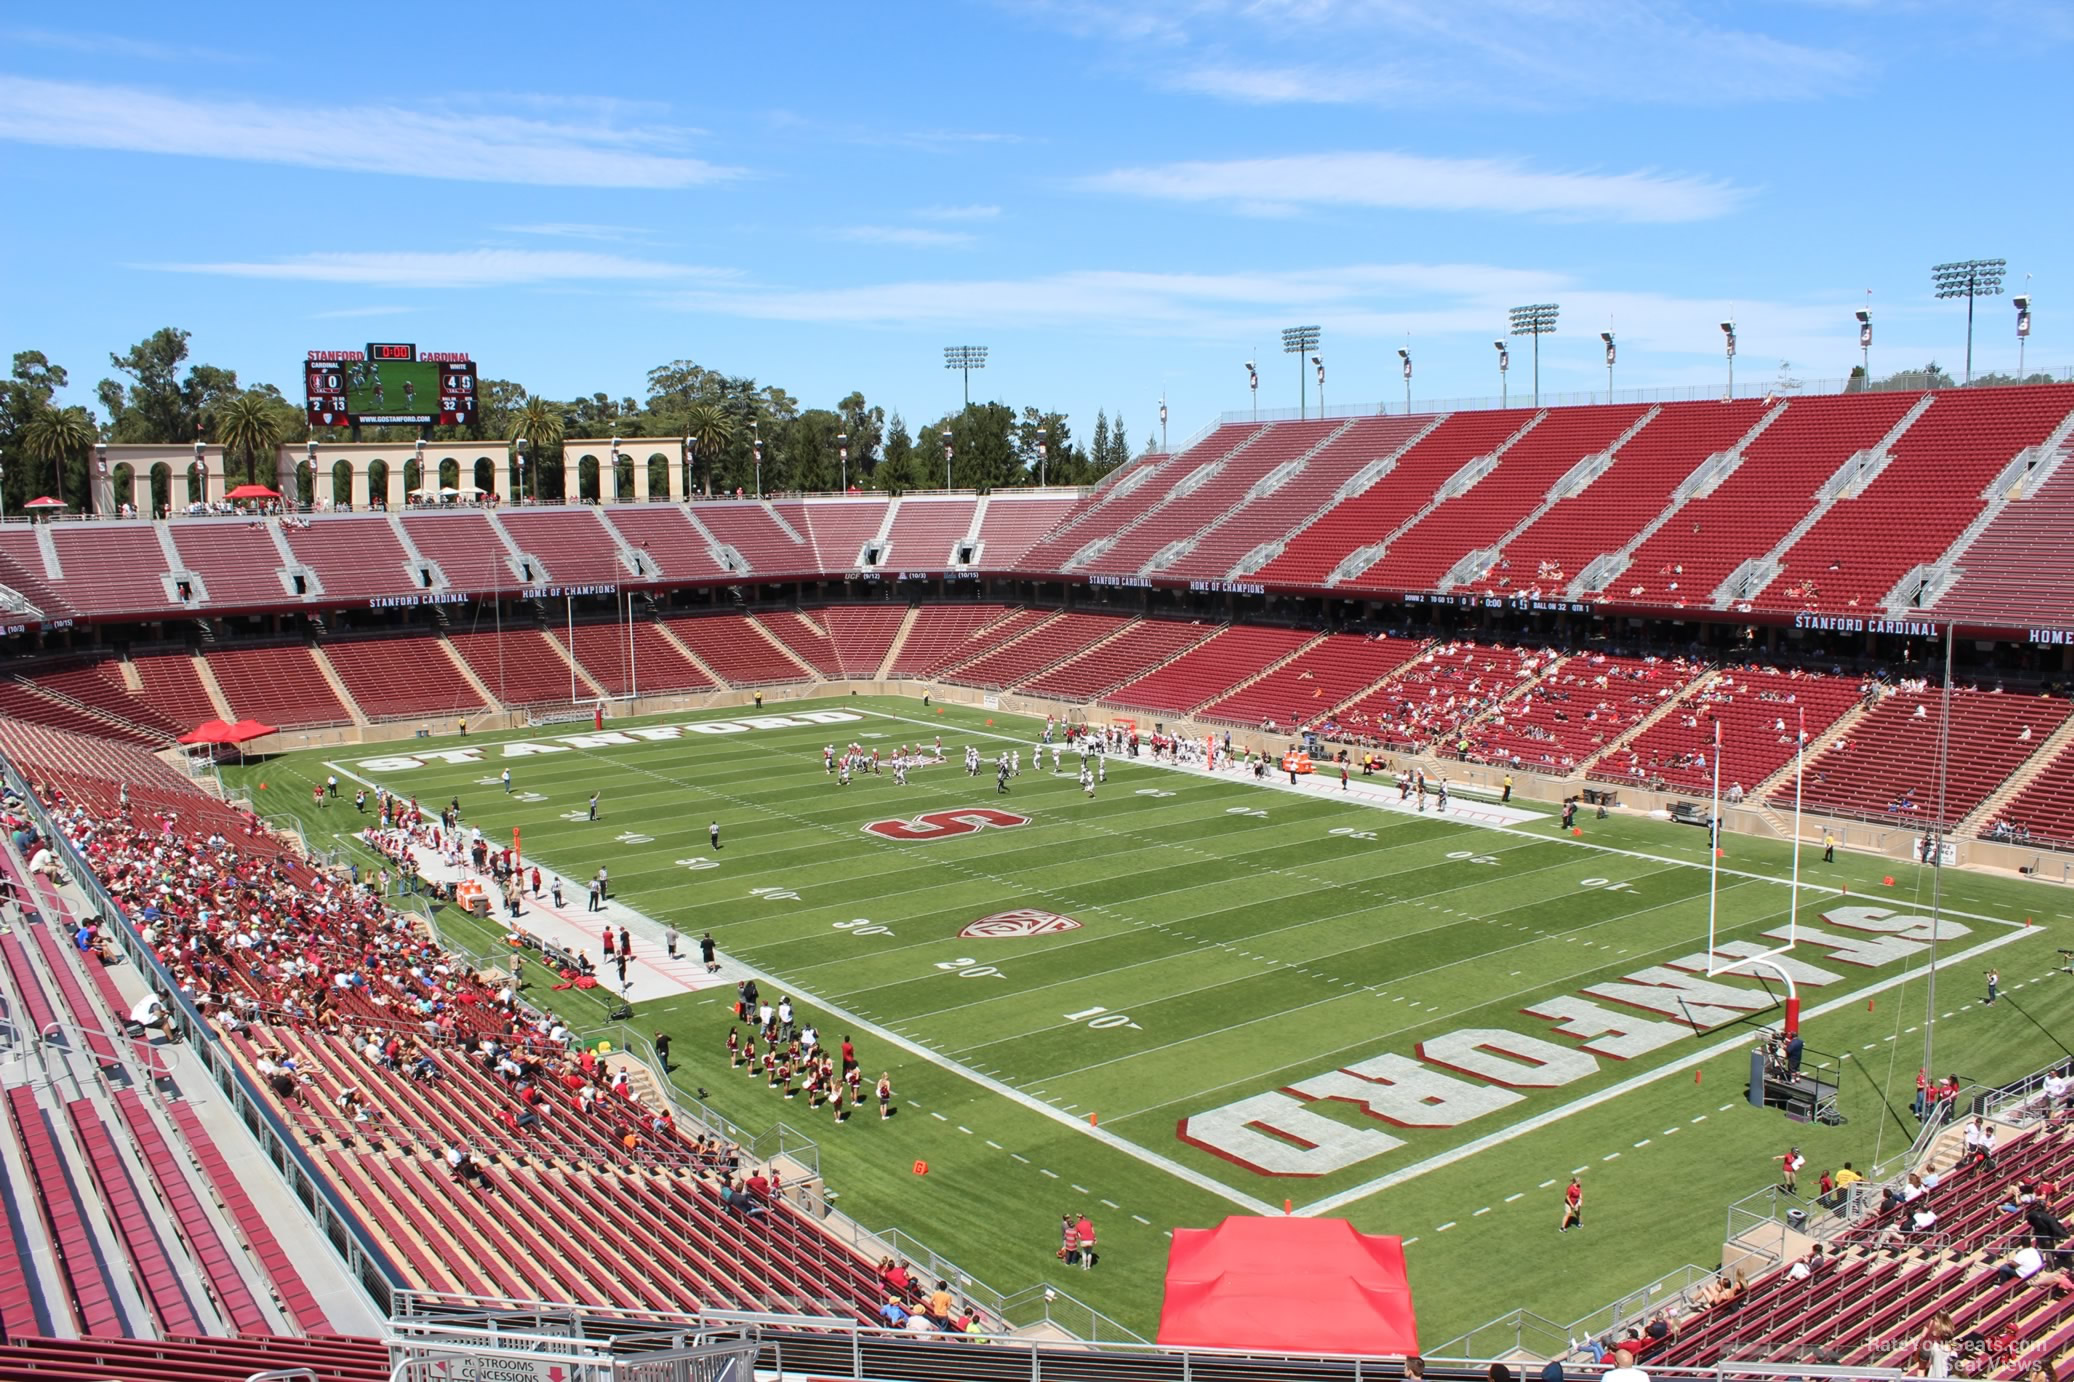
(2023, 329)
(1728, 338)
(1042, 437)
(946, 458)
(1607, 337)
(1969, 279)
(1404, 355)
(1865, 343)
(1536, 319)
(842, 451)
(965, 359)
(1253, 383)
(1504, 366)
(1300, 341)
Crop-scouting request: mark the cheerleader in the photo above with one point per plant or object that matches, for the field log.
(734, 1048)
(885, 1093)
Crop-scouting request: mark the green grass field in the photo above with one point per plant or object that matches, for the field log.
(1234, 940)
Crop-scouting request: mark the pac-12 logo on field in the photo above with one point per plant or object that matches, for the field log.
(1023, 921)
(941, 825)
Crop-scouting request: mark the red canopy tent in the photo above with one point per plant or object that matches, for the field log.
(1288, 1286)
(217, 732)
(253, 492)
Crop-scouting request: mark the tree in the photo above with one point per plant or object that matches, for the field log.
(866, 428)
(58, 438)
(900, 467)
(159, 404)
(251, 428)
(710, 429)
(24, 398)
(540, 423)
(1930, 376)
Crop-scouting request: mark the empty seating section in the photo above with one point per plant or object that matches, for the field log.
(1488, 509)
(753, 530)
(1036, 646)
(946, 634)
(633, 659)
(733, 647)
(805, 637)
(1925, 497)
(1218, 484)
(1308, 687)
(400, 676)
(571, 543)
(173, 685)
(1574, 713)
(927, 529)
(2020, 570)
(862, 634)
(278, 685)
(1773, 488)
(1209, 669)
(2044, 810)
(465, 549)
(1277, 514)
(1556, 547)
(1760, 710)
(520, 666)
(112, 568)
(100, 685)
(22, 571)
(355, 556)
(1438, 692)
(238, 562)
(663, 531)
(191, 1358)
(1884, 767)
(1124, 494)
(839, 528)
(1133, 652)
(25, 703)
(1013, 523)
(1369, 516)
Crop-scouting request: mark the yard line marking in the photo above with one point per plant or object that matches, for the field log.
(1668, 1131)
(1725, 1107)
(1043, 1172)
(1409, 1241)
(1578, 1170)
(1643, 1143)
(1951, 1014)
(1610, 1156)
(1545, 1184)
(1020, 1157)
(995, 1145)
(1143, 1220)
(1701, 1119)
(963, 1129)
(1621, 1089)
(1112, 1204)
(1485, 1210)
(1445, 1227)
(1081, 1188)
(1912, 1030)
(1868, 1045)
(1519, 1194)
(938, 1117)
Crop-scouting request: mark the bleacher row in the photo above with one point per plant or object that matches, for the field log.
(1647, 722)
(1950, 502)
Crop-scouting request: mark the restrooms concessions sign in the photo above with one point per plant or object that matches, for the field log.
(1478, 1071)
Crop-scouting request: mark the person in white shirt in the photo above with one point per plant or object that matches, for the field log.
(1624, 1369)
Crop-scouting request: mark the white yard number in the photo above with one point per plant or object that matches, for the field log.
(1102, 1020)
(1351, 833)
(971, 969)
(863, 926)
(775, 894)
(1253, 811)
(699, 862)
(1470, 857)
(1605, 885)
(1153, 792)
(628, 837)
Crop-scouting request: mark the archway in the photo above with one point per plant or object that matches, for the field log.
(622, 478)
(378, 485)
(658, 476)
(486, 474)
(197, 485)
(161, 483)
(449, 474)
(549, 482)
(122, 485)
(413, 478)
(342, 484)
(587, 480)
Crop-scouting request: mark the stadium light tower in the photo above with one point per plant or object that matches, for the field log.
(310, 451)
(1319, 361)
(1728, 336)
(518, 446)
(1504, 365)
(1404, 354)
(2023, 329)
(842, 451)
(946, 458)
(756, 445)
(1042, 437)
(1969, 279)
(1163, 419)
(1299, 341)
(967, 359)
(691, 452)
(1253, 383)
(1865, 344)
(1536, 319)
(1607, 337)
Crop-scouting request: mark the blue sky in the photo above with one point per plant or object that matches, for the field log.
(1117, 200)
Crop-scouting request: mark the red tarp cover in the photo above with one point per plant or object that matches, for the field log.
(1288, 1286)
(217, 732)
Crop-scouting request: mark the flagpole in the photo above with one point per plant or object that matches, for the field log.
(1714, 846)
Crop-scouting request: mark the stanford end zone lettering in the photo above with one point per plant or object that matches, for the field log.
(1304, 1129)
(941, 825)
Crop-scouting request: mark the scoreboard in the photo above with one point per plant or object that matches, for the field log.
(389, 382)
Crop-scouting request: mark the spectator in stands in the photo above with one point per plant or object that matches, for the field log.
(1624, 1369)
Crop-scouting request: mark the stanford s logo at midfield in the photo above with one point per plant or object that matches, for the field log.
(1023, 921)
(941, 825)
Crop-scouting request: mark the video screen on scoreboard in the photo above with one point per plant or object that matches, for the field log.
(389, 383)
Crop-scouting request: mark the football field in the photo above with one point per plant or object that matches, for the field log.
(1191, 996)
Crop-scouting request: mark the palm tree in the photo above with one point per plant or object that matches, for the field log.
(540, 423)
(55, 437)
(249, 426)
(710, 429)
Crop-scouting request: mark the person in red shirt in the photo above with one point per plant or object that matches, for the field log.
(1573, 1207)
(849, 1056)
(1085, 1231)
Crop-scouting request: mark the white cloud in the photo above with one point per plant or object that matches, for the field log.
(452, 145)
(910, 237)
(453, 268)
(959, 213)
(1412, 183)
(580, 230)
(119, 46)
